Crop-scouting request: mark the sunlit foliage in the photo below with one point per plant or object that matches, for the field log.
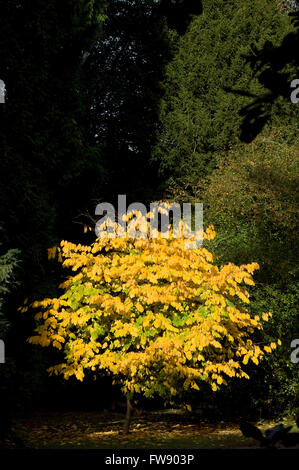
(157, 316)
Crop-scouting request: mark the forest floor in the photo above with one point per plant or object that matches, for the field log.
(100, 430)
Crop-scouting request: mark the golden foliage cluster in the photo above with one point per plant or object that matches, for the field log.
(159, 317)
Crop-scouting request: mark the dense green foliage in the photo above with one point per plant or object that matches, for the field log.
(8, 264)
(199, 116)
(279, 381)
(252, 198)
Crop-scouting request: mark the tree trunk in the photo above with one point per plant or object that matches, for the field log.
(128, 417)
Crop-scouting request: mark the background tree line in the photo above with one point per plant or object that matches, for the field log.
(154, 99)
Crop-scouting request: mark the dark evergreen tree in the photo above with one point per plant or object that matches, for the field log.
(199, 115)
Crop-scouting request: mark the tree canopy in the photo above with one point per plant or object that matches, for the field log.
(199, 116)
(159, 317)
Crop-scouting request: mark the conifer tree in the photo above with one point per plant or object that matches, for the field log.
(199, 115)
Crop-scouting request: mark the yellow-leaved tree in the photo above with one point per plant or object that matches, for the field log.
(157, 316)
